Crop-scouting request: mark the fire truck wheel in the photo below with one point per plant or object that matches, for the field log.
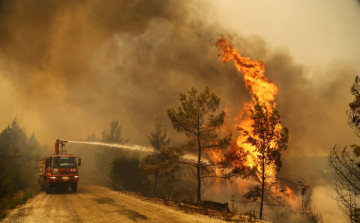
(47, 189)
(74, 188)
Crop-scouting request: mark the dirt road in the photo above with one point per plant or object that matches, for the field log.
(97, 204)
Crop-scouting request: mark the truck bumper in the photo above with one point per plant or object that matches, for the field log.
(62, 180)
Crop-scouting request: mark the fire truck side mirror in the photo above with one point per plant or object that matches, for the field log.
(79, 162)
(47, 162)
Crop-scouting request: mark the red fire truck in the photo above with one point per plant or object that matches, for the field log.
(60, 170)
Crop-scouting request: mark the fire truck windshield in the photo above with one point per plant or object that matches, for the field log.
(64, 162)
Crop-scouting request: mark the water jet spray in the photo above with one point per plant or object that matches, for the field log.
(115, 145)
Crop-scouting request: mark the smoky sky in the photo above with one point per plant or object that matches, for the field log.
(69, 68)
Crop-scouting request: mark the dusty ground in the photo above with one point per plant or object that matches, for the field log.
(97, 204)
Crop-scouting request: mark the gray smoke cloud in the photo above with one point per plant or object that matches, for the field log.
(68, 68)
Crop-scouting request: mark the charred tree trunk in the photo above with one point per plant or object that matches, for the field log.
(262, 186)
(199, 179)
(199, 162)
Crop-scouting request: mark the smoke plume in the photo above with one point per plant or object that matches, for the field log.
(68, 68)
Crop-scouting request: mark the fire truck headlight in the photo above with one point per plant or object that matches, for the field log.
(76, 176)
(52, 178)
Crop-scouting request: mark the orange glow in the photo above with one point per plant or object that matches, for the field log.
(253, 71)
(264, 90)
(259, 87)
(289, 193)
(290, 196)
(216, 156)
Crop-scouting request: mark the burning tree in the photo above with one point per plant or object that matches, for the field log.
(267, 141)
(299, 194)
(197, 120)
(262, 137)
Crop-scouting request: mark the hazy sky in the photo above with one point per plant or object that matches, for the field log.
(315, 32)
(68, 69)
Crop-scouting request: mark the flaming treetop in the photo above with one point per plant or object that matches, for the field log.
(253, 70)
(263, 91)
(262, 136)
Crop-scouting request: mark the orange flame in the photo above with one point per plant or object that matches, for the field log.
(259, 87)
(254, 72)
(290, 193)
(216, 156)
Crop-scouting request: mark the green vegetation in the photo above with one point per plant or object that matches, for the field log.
(104, 155)
(160, 173)
(125, 174)
(18, 199)
(161, 167)
(18, 155)
(201, 126)
(122, 167)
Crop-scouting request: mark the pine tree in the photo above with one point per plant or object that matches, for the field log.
(197, 120)
(268, 142)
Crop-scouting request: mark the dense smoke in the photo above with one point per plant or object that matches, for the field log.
(68, 68)
(75, 67)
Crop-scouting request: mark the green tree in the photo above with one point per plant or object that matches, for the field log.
(121, 166)
(197, 120)
(268, 142)
(162, 164)
(125, 174)
(103, 156)
(114, 136)
(158, 137)
(18, 163)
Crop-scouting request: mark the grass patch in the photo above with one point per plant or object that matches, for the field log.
(18, 199)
